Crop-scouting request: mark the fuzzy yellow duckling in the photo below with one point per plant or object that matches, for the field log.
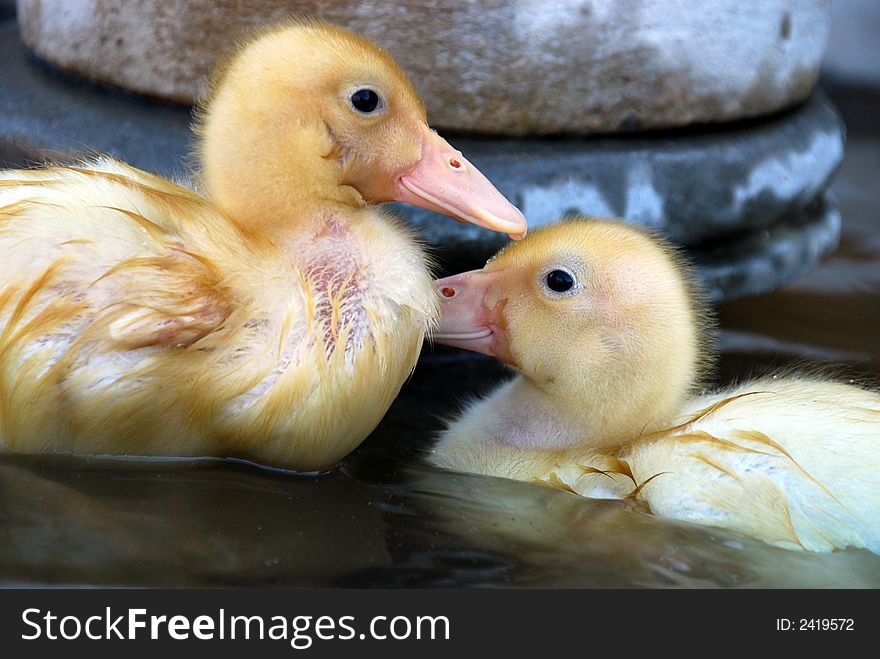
(273, 318)
(605, 329)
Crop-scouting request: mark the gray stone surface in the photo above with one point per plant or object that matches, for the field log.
(515, 67)
(763, 260)
(59, 115)
(707, 180)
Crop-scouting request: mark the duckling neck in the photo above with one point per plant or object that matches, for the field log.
(527, 417)
(273, 181)
(520, 432)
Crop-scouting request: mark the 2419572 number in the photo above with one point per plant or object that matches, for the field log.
(815, 624)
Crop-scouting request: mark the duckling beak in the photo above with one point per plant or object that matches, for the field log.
(445, 182)
(467, 319)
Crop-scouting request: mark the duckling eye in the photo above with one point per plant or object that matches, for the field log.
(559, 281)
(365, 100)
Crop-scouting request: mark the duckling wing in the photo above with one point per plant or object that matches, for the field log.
(112, 282)
(102, 250)
(792, 462)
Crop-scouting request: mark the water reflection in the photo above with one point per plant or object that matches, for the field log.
(532, 536)
(73, 520)
(180, 523)
(382, 519)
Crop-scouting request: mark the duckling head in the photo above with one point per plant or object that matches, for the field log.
(602, 321)
(307, 113)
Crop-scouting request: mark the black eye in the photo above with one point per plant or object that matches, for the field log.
(559, 281)
(365, 100)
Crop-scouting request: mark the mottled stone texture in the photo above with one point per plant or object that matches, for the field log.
(740, 197)
(761, 261)
(516, 67)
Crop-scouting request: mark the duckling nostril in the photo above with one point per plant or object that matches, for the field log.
(447, 291)
(455, 163)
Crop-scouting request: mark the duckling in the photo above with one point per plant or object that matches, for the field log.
(607, 332)
(275, 315)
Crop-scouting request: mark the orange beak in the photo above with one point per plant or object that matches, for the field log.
(445, 182)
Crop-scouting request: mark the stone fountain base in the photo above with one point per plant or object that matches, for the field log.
(746, 199)
(499, 67)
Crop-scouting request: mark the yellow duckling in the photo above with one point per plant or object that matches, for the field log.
(273, 318)
(602, 323)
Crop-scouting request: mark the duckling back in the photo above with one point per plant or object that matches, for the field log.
(106, 271)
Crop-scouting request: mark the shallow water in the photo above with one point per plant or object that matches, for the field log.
(211, 523)
(383, 519)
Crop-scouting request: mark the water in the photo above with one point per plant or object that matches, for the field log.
(384, 519)
(90, 521)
